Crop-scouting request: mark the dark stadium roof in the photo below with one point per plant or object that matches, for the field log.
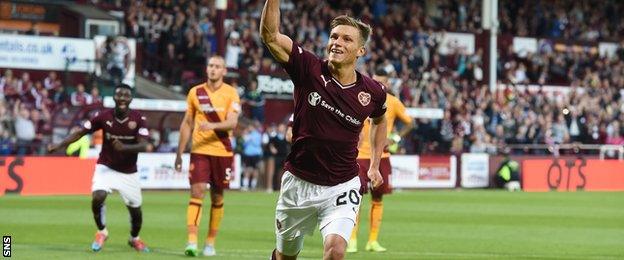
(90, 12)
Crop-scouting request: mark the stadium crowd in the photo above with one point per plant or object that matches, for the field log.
(27, 106)
(177, 36)
(406, 43)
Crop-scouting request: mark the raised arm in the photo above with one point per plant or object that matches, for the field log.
(73, 137)
(280, 45)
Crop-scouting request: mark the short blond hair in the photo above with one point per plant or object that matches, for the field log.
(218, 57)
(365, 29)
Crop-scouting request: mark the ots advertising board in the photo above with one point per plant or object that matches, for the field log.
(46, 53)
(574, 174)
(412, 171)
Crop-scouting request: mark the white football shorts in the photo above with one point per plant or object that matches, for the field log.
(127, 185)
(302, 205)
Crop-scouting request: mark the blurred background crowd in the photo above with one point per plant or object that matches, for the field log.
(178, 35)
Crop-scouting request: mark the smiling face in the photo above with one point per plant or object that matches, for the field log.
(122, 97)
(345, 45)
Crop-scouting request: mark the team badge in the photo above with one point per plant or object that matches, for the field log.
(132, 125)
(191, 167)
(364, 98)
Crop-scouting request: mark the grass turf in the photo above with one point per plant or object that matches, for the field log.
(459, 224)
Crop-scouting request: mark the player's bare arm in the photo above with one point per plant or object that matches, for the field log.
(70, 139)
(361, 138)
(142, 146)
(279, 45)
(186, 128)
(378, 141)
(228, 124)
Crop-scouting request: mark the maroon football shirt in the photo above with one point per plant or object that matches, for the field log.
(328, 119)
(127, 130)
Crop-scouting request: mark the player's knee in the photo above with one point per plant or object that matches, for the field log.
(99, 196)
(216, 196)
(334, 252)
(377, 197)
(198, 192)
(136, 215)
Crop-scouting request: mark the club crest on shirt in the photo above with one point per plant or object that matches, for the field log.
(132, 125)
(364, 98)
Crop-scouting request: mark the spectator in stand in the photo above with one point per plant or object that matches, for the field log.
(52, 83)
(282, 148)
(233, 51)
(172, 58)
(255, 100)
(252, 155)
(29, 93)
(269, 151)
(43, 130)
(95, 95)
(6, 142)
(24, 128)
(8, 84)
(6, 119)
(60, 97)
(25, 84)
(80, 97)
(615, 134)
(576, 126)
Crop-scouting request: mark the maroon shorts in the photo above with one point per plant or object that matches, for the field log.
(384, 168)
(215, 170)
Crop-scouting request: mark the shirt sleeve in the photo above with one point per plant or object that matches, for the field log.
(381, 107)
(93, 124)
(235, 103)
(299, 63)
(142, 127)
(190, 102)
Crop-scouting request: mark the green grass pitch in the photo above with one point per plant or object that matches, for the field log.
(455, 224)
